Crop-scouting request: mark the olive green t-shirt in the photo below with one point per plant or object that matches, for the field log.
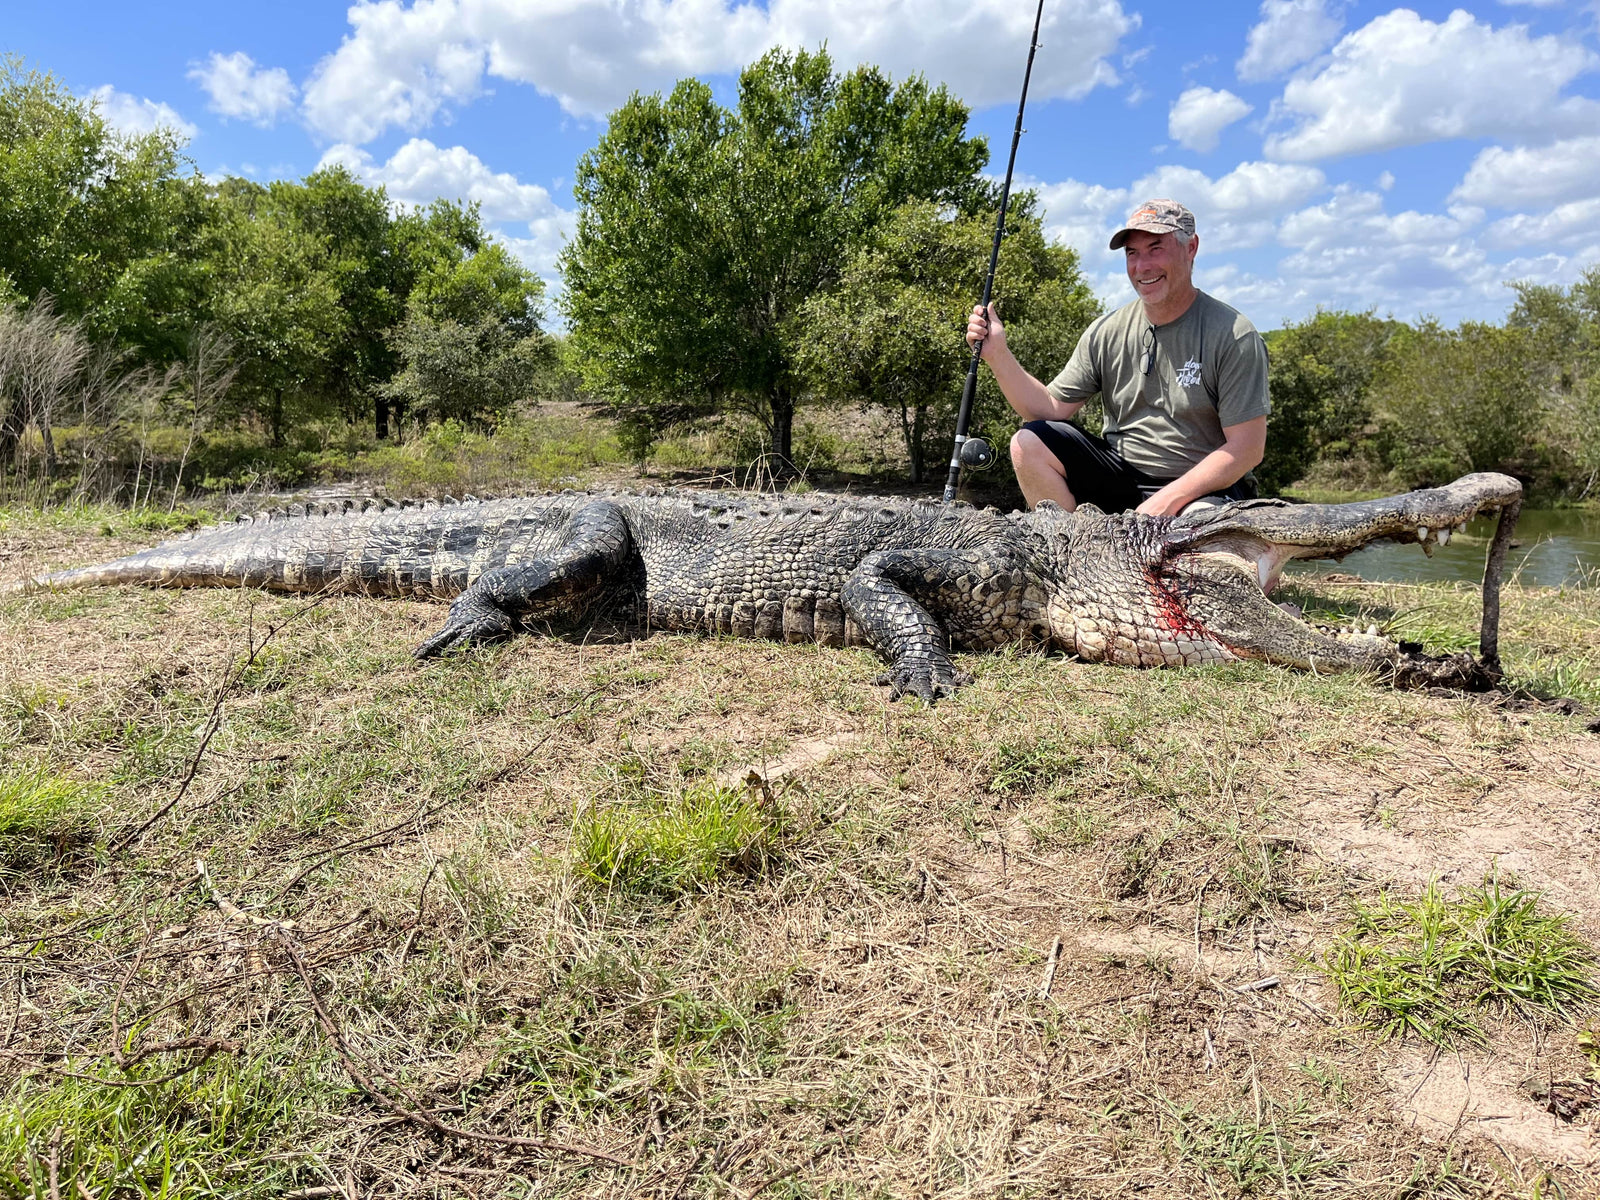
(1209, 371)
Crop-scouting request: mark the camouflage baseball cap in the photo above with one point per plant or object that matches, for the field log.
(1155, 216)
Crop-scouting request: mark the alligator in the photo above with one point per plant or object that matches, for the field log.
(913, 580)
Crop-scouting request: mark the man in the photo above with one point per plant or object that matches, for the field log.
(1183, 380)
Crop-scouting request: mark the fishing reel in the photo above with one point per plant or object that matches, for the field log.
(976, 454)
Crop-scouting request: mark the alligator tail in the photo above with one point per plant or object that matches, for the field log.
(428, 552)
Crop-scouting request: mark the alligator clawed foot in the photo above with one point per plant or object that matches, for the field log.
(931, 680)
(478, 625)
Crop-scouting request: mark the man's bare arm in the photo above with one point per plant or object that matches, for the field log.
(1242, 448)
(1030, 398)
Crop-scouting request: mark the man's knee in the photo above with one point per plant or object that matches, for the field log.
(1029, 450)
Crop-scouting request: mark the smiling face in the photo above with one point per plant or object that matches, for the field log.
(1161, 269)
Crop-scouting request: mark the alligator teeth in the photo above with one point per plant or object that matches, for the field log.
(1372, 631)
(1461, 528)
(1263, 570)
(1422, 534)
(1444, 536)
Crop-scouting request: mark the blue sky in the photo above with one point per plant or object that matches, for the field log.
(1348, 155)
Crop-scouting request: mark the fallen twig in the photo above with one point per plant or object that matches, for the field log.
(1050, 969)
(1199, 898)
(418, 1114)
(1260, 985)
(231, 910)
(54, 1164)
(213, 722)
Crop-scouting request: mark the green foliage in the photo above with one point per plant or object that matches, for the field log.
(200, 1134)
(104, 222)
(1454, 401)
(469, 347)
(474, 373)
(40, 812)
(1379, 405)
(1320, 378)
(1563, 327)
(702, 230)
(1426, 968)
(676, 844)
(891, 333)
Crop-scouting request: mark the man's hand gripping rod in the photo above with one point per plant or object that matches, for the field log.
(975, 452)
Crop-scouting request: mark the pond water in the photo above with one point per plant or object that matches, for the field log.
(1554, 547)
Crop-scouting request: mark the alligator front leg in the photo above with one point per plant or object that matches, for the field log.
(595, 545)
(887, 594)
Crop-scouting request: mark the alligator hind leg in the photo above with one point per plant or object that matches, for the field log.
(595, 545)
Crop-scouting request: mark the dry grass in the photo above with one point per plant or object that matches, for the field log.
(856, 1011)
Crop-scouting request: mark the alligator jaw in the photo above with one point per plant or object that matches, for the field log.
(1231, 556)
(1224, 598)
(1268, 534)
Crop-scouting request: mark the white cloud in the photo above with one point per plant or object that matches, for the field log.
(1199, 116)
(239, 88)
(420, 172)
(1289, 33)
(406, 65)
(1276, 257)
(1401, 80)
(1501, 178)
(1571, 224)
(1350, 253)
(134, 115)
(1236, 210)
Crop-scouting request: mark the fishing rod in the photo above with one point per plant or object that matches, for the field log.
(974, 452)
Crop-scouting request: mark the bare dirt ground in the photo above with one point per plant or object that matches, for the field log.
(1060, 936)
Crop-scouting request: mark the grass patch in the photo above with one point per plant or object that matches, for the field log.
(1429, 967)
(679, 843)
(40, 811)
(1270, 1153)
(201, 1134)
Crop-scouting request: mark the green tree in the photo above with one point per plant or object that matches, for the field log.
(1563, 325)
(702, 231)
(1454, 401)
(1321, 373)
(104, 223)
(348, 230)
(470, 345)
(276, 301)
(892, 333)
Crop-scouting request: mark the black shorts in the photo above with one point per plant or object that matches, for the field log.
(1097, 474)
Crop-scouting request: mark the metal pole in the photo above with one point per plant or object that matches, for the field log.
(964, 416)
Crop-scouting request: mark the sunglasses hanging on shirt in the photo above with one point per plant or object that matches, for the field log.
(1148, 358)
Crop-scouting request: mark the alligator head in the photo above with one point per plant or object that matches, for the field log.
(1233, 555)
(1206, 576)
